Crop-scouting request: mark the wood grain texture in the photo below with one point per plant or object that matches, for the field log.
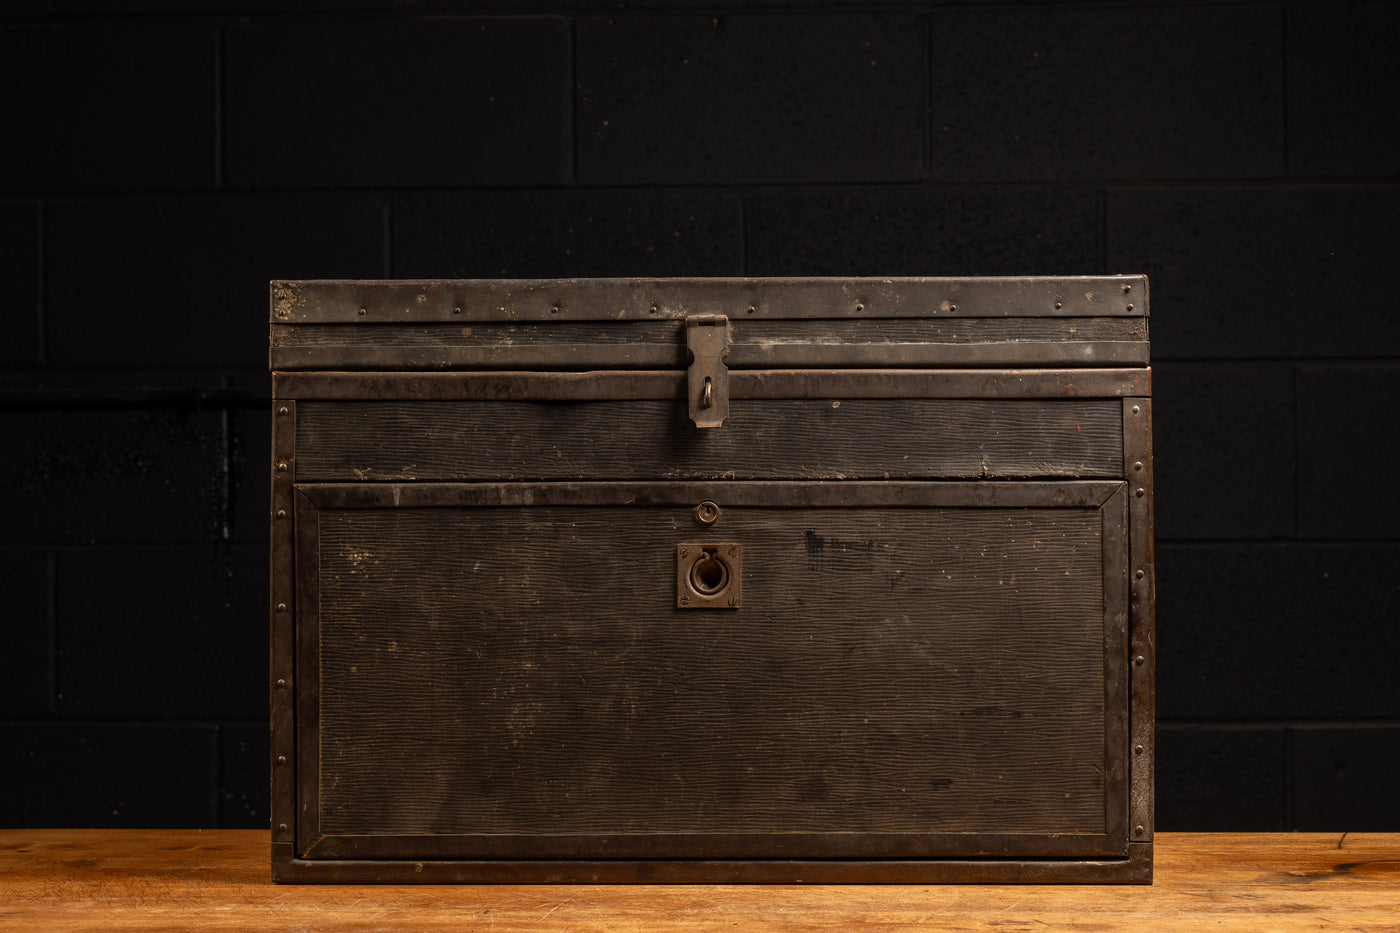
(671, 333)
(156, 880)
(642, 299)
(477, 677)
(653, 439)
(743, 384)
(752, 343)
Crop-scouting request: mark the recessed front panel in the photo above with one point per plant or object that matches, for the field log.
(497, 678)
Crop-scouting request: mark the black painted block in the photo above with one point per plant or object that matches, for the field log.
(1129, 93)
(1277, 631)
(19, 270)
(923, 233)
(25, 658)
(245, 799)
(1214, 779)
(1224, 443)
(182, 282)
(112, 775)
(398, 102)
(1345, 779)
(1345, 89)
(250, 474)
(547, 235)
(116, 106)
(115, 475)
(799, 98)
(156, 632)
(1346, 421)
(1266, 272)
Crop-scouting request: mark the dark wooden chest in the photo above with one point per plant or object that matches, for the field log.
(758, 580)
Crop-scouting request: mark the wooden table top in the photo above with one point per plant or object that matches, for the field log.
(75, 879)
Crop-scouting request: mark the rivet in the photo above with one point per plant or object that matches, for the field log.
(281, 466)
(1138, 830)
(281, 827)
(1127, 288)
(751, 309)
(859, 308)
(952, 307)
(281, 682)
(281, 513)
(1138, 749)
(1140, 574)
(363, 311)
(281, 607)
(554, 309)
(283, 410)
(1059, 305)
(1136, 410)
(422, 299)
(1139, 660)
(1130, 307)
(1141, 492)
(456, 309)
(281, 759)
(1137, 465)
(654, 309)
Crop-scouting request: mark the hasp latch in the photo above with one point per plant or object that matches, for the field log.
(707, 339)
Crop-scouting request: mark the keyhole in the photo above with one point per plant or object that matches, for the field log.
(709, 575)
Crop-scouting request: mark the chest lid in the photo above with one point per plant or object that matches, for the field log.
(741, 323)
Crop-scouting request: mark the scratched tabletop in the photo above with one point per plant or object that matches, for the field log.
(88, 879)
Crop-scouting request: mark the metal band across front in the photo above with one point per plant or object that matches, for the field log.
(910, 674)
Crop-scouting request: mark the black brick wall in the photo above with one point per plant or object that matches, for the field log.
(162, 159)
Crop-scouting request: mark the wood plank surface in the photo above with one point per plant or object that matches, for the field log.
(152, 880)
(752, 343)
